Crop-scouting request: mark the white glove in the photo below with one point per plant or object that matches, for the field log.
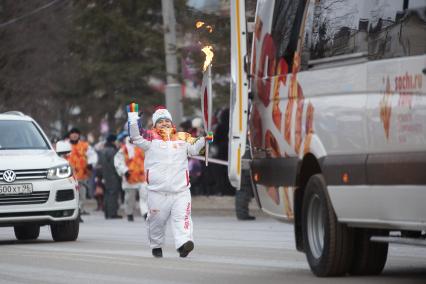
(132, 117)
(132, 120)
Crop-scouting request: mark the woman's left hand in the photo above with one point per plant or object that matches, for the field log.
(209, 137)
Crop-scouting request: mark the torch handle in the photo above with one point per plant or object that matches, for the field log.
(206, 154)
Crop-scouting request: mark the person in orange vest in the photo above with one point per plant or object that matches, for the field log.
(82, 159)
(129, 163)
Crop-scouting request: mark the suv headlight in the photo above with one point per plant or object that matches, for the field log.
(63, 171)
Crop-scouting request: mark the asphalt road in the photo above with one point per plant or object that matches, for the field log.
(226, 251)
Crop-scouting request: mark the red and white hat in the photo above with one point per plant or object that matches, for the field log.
(161, 113)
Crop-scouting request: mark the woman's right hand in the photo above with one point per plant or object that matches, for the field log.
(132, 113)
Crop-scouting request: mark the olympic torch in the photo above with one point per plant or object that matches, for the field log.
(206, 86)
(206, 96)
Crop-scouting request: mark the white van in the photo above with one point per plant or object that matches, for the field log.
(36, 185)
(337, 124)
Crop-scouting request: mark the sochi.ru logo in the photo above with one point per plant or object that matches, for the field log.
(9, 176)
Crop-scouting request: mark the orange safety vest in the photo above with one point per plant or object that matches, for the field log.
(135, 165)
(78, 160)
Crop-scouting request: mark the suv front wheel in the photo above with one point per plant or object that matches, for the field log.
(65, 231)
(27, 232)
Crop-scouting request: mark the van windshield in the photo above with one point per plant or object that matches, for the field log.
(16, 134)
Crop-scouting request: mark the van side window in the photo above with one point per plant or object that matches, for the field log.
(286, 24)
(374, 29)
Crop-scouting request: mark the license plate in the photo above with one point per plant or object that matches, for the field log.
(24, 188)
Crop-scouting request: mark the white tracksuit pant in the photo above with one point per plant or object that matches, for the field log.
(161, 206)
(143, 199)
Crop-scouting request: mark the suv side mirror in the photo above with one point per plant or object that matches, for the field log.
(63, 147)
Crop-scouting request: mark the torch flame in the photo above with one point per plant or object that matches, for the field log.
(199, 24)
(208, 51)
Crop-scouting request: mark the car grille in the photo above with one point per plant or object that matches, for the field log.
(27, 174)
(37, 197)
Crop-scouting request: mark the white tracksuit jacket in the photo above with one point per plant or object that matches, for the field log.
(167, 176)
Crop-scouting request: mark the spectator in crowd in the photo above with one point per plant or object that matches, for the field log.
(244, 195)
(129, 163)
(222, 184)
(99, 192)
(82, 159)
(195, 172)
(111, 179)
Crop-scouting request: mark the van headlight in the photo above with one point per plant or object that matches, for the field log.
(63, 171)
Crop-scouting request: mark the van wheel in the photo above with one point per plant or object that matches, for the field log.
(27, 232)
(65, 231)
(369, 257)
(328, 244)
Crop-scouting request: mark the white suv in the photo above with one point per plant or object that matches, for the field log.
(36, 184)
